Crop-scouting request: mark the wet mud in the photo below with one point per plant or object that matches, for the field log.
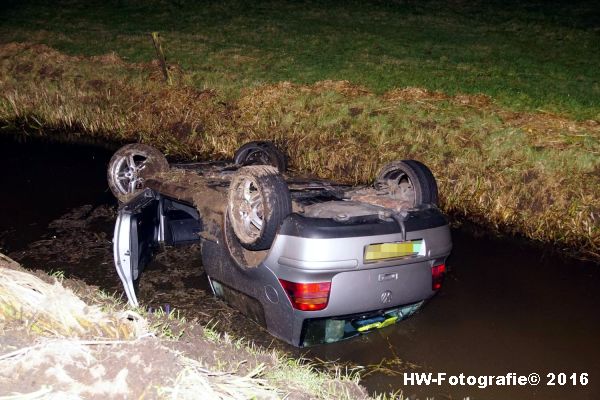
(78, 245)
(507, 306)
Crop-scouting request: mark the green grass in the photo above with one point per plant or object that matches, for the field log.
(527, 56)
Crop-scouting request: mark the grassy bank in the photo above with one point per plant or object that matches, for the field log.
(502, 101)
(526, 55)
(531, 173)
(56, 345)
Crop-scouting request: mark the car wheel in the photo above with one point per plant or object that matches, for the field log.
(261, 153)
(130, 165)
(259, 200)
(409, 180)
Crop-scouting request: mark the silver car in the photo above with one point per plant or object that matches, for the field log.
(313, 261)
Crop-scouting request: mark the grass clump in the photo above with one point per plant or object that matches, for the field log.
(192, 380)
(296, 375)
(300, 374)
(53, 310)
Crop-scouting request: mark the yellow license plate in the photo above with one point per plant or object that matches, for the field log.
(387, 251)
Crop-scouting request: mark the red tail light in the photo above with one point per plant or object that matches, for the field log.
(307, 296)
(437, 276)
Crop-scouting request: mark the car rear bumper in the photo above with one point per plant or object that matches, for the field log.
(358, 287)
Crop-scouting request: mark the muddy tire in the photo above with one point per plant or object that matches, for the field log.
(261, 153)
(130, 166)
(259, 200)
(409, 180)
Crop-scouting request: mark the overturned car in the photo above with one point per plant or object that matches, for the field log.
(311, 260)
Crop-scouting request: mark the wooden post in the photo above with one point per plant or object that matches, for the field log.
(161, 57)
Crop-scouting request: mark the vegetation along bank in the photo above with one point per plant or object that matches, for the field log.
(508, 122)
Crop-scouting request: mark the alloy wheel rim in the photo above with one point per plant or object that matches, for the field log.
(247, 210)
(127, 173)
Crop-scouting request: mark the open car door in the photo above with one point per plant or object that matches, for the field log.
(137, 234)
(143, 223)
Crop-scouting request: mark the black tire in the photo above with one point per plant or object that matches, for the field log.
(261, 153)
(258, 201)
(409, 175)
(130, 166)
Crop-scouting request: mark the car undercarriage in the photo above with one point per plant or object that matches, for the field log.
(313, 261)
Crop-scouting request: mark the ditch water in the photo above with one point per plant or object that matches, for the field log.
(506, 305)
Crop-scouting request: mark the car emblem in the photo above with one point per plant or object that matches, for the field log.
(386, 297)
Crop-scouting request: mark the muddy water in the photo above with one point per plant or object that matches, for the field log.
(40, 180)
(505, 307)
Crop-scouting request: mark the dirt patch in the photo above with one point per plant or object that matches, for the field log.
(151, 364)
(69, 368)
(146, 368)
